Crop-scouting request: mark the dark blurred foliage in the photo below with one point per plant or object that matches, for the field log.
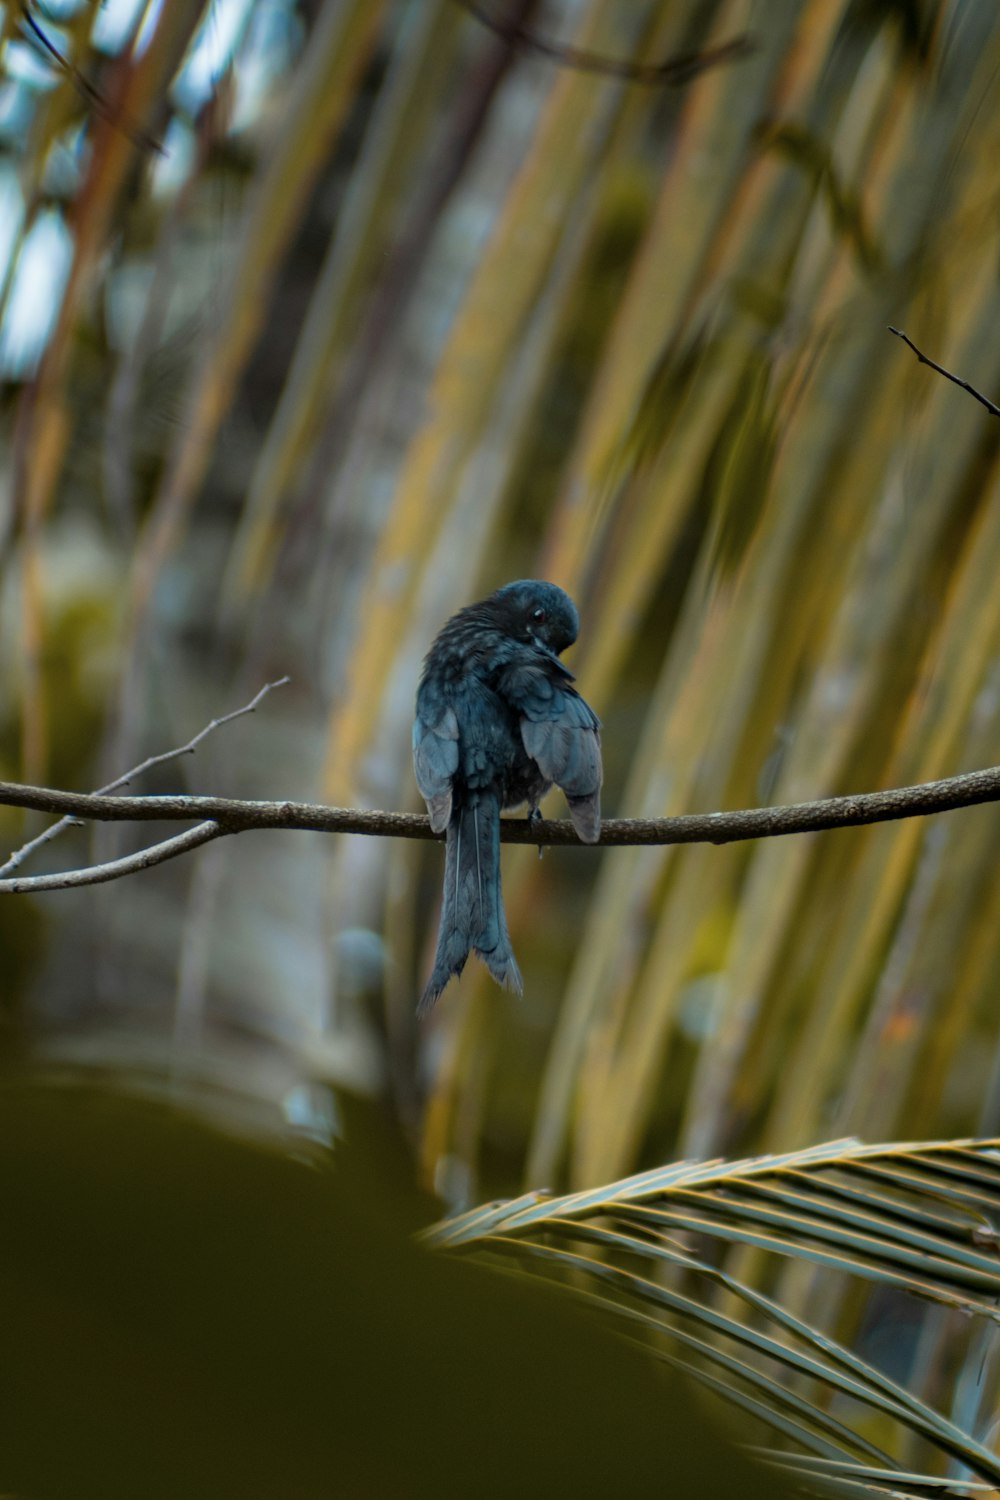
(192, 1313)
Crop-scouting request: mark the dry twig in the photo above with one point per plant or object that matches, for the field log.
(70, 821)
(114, 869)
(991, 407)
(92, 95)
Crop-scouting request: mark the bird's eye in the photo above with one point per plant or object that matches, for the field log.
(538, 615)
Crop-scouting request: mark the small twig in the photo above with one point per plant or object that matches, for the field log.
(46, 837)
(991, 406)
(94, 97)
(673, 70)
(229, 815)
(192, 745)
(129, 864)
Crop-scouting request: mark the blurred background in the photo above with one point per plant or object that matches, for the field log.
(320, 318)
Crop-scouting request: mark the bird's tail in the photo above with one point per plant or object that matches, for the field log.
(472, 914)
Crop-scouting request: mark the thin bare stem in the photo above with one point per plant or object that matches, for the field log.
(672, 70)
(92, 95)
(229, 815)
(991, 407)
(129, 864)
(46, 837)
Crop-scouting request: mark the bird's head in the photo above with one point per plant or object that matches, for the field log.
(538, 612)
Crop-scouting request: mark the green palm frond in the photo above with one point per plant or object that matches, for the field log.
(647, 1251)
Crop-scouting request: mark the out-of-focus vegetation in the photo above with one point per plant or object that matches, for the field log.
(193, 1314)
(319, 318)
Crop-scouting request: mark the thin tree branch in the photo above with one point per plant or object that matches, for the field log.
(991, 407)
(228, 816)
(93, 96)
(46, 837)
(672, 70)
(129, 864)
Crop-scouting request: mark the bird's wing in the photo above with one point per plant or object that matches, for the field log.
(435, 757)
(562, 735)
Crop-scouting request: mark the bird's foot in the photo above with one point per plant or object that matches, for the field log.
(535, 816)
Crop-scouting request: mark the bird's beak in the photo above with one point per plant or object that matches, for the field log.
(547, 651)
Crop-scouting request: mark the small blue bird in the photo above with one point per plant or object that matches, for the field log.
(498, 722)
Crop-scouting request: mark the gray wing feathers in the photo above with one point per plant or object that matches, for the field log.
(435, 761)
(566, 747)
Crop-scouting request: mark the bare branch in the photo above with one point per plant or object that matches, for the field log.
(192, 745)
(46, 837)
(92, 95)
(672, 70)
(129, 864)
(228, 815)
(993, 409)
